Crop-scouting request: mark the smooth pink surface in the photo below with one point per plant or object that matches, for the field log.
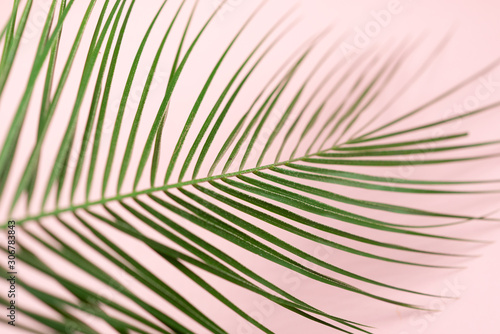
(475, 43)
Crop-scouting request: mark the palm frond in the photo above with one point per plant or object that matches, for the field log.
(223, 187)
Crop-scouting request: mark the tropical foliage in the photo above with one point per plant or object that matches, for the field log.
(82, 215)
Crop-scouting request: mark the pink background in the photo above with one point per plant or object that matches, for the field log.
(475, 43)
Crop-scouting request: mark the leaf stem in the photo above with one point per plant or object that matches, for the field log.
(133, 194)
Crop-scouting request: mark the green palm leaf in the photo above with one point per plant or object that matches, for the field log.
(219, 178)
